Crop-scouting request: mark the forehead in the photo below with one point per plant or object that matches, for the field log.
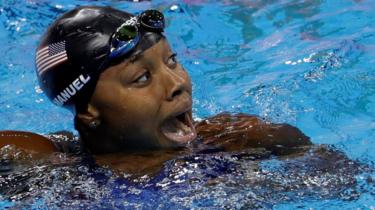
(159, 49)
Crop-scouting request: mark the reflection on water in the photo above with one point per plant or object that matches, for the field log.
(230, 180)
(307, 63)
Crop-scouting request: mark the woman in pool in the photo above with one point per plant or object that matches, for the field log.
(117, 73)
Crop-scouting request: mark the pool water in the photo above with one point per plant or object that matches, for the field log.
(308, 63)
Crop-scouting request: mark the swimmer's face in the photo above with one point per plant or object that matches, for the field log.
(145, 102)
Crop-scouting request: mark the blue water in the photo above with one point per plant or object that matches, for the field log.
(308, 63)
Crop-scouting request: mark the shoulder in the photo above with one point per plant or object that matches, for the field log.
(243, 131)
(36, 143)
(27, 141)
(226, 124)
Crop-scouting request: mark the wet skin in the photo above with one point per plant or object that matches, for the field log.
(27, 141)
(133, 100)
(139, 102)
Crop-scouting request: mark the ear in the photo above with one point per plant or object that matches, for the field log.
(89, 115)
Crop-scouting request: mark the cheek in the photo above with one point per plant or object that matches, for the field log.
(132, 108)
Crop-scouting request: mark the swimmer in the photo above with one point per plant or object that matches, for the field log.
(129, 94)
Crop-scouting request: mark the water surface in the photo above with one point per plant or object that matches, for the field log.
(307, 63)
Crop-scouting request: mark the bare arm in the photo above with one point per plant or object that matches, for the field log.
(27, 141)
(241, 131)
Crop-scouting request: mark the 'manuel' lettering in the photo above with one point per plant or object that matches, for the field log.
(71, 90)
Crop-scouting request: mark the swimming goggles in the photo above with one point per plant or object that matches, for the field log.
(127, 36)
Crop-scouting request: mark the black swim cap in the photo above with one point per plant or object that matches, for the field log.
(74, 50)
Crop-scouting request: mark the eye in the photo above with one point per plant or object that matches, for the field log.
(172, 60)
(143, 78)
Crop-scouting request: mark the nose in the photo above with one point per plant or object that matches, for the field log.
(175, 84)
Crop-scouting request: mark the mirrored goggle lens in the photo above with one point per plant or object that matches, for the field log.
(124, 40)
(152, 20)
(126, 33)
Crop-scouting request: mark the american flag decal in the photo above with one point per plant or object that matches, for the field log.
(50, 56)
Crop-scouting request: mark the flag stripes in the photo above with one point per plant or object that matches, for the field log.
(50, 56)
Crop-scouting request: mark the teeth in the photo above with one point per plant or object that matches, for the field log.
(180, 132)
(178, 129)
(186, 129)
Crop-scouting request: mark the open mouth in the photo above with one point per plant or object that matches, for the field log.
(179, 128)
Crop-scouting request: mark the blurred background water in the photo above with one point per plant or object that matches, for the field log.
(309, 63)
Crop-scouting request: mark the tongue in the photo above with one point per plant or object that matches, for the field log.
(176, 130)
